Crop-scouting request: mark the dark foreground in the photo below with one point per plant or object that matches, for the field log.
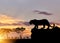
(42, 35)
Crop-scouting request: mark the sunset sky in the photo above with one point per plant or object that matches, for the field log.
(24, 9)
(17, 13)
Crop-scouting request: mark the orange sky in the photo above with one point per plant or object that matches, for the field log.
(4, 19)
(8, 20)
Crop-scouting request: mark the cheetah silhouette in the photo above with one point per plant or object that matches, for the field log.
(43, 22)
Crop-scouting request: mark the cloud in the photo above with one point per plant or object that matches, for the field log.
(42, 12)
(8, 20)
(27, 23)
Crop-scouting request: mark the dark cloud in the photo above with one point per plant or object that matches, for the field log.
(26, 23)
(42, 12)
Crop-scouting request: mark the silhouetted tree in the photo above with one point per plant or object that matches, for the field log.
(20, 29)
(17, 30)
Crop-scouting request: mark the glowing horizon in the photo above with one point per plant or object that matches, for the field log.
(8, 21)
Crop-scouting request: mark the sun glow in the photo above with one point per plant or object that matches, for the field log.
(6, 41)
